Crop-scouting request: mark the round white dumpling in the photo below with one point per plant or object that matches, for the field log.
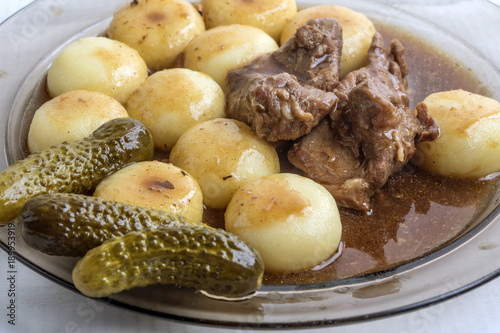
(97, 64)
(155, 184)
(270, 15)
(158, 29)
(222, 155)
(171, 101)
(292, 221)
(357, 32)
(226, 47)
(469, 140)
(71, 116)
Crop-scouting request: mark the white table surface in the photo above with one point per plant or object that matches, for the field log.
(43, 306)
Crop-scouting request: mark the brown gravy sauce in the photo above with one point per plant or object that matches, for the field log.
(415, 213)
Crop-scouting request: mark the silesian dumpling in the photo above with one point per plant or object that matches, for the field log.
(270, 15)
(171, 101)
(226, 47)
(222, 155)
(469, 140)
(71, 116)
(158, 29)
(97, 64)
(155, 184)
(292, 221)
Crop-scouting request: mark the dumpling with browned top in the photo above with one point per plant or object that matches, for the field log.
(292, 221)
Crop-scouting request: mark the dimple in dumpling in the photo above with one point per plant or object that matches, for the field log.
(159, 30)
(157, 185)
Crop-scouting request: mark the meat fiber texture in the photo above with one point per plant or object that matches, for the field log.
(349, 136)
(283, 95)
(371, 135)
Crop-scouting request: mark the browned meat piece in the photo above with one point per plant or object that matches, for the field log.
(388, 68)
(279, 107)
(283, 95)
(331, 163)
(372, 134)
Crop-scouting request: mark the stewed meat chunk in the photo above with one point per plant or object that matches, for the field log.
(283, 95)
(371, 135)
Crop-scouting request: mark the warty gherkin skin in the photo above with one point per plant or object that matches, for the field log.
(211, 260)
(71, 224)
(75, 167)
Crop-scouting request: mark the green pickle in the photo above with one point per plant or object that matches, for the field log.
(75, 167)
(71, 224)
(211, 260)
(123, 246)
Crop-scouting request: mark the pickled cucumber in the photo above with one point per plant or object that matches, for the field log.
(71, 224)
(210, 260)
(74, 167)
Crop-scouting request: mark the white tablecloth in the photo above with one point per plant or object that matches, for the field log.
(43, 306)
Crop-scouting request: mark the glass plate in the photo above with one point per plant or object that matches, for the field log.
(467, 30)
